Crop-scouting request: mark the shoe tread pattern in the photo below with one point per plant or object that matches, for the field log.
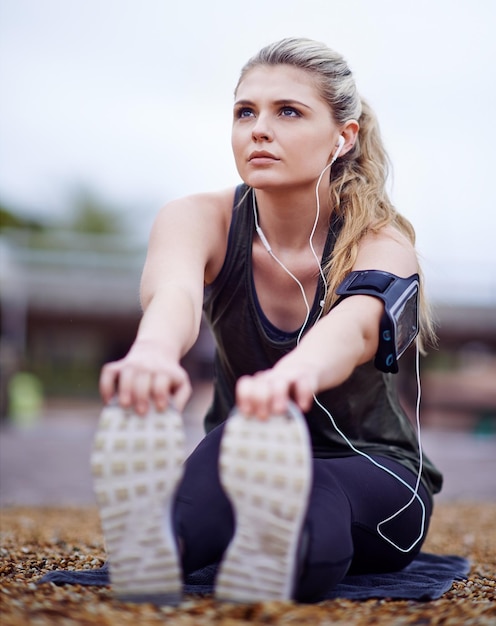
(136, 464)
(265, 468)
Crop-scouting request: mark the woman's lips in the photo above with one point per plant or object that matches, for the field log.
(262, 158)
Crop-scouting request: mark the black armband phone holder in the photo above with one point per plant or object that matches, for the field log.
(400, 322)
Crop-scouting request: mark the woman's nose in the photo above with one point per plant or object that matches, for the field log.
(261, 130)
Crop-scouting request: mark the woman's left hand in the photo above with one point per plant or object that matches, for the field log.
(269, 392)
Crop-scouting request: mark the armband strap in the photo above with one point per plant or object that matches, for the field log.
(400, 321)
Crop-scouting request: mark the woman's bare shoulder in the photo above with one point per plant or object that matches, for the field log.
(193, 229)
(202, 204)
(388, 250)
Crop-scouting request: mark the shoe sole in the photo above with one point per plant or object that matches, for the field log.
(136, 464)
(266, 471)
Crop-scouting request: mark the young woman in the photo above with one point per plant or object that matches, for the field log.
(310, 468)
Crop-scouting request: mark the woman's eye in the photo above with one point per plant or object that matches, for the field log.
(289, 112)
(244, 112)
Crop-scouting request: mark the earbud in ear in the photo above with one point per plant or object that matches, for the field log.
(341, 141)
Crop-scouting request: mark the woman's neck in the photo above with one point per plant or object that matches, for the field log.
(288, 218)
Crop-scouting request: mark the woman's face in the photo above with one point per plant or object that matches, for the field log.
(283, 134)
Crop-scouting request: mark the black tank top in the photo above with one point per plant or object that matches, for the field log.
(365, 407)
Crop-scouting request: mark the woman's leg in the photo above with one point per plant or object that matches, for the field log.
(265, 468)
(204, 522)
(350, 497)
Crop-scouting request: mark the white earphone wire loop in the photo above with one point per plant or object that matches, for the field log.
(413, 490)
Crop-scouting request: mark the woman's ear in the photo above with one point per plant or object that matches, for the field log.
(349, 131)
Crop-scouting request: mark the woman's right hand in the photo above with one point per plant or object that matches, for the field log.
(147, 375)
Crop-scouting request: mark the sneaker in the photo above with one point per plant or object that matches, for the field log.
(137, 463)
(266, 471)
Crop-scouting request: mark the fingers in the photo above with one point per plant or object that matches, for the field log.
(141, 381)
(253, 396)
(140, 388)
(304, 394)
(182, 393)
(160, 391)
(108, 381)
(269, 393)
(174, 386)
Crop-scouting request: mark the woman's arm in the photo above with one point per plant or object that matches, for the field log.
(329, 352)
(187, 246)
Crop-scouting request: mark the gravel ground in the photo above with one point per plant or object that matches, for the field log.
(37, 540)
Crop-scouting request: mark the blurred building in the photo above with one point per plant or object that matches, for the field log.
(70, 303)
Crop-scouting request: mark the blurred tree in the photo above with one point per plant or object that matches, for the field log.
(87, 213)
(92, 215)
(11, 219)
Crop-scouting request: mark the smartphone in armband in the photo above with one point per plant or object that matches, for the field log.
(400, 322)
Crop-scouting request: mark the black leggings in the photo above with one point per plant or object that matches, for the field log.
(349, 497)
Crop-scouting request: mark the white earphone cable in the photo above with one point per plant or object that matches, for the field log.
(413, 490)
(289, 272)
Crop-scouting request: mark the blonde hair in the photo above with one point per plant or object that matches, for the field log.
(358, 182)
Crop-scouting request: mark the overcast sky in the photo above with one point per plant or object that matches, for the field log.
(132, 99)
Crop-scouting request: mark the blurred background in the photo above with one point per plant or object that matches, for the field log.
(110, 108)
